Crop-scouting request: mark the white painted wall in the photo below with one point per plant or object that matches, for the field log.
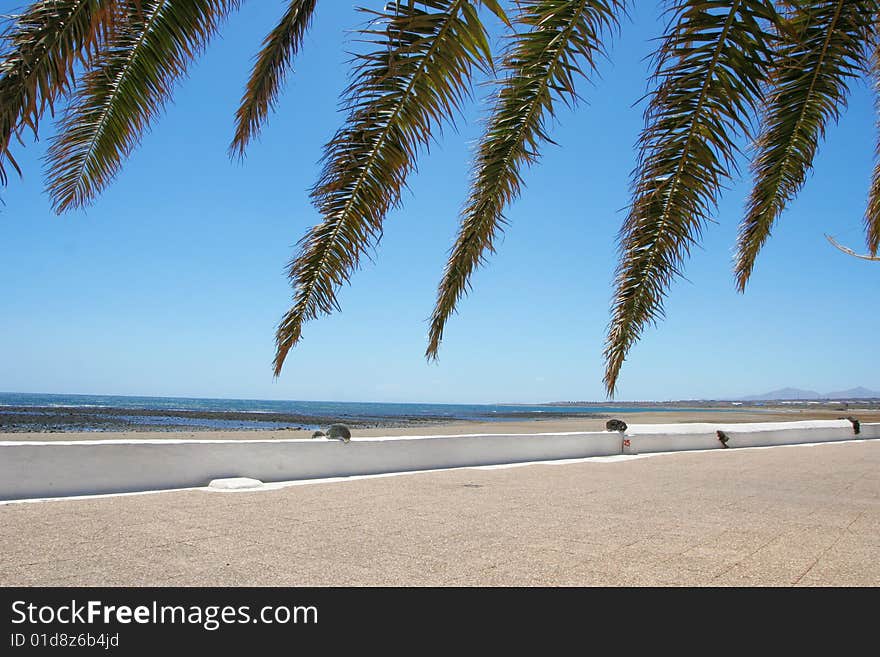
(30, 469)
(870, 430)
(50, 469)
(646, 438)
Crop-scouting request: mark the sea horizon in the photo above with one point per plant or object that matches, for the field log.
(84, 412)
(609, 403)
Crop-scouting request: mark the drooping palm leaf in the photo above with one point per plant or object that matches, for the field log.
(822, 51)
(124, 90)
(402, 92)
(41, 46)
(270, 69)
(872, 214)
(560, 41)
(710, 68)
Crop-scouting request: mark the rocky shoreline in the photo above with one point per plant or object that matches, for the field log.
(49, 419)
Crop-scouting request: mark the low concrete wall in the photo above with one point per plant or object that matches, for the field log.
(30, 469)
(870, 430)
(647, 438)
(51, 469)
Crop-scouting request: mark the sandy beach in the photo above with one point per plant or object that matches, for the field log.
(552, 425)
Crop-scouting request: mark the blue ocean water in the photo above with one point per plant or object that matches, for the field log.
(322, 408)
(359, 409)
(377, 411)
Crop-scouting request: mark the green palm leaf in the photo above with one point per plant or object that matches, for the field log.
(808, 88)
(124, 90)
(270, 69)
(872, 215)
(403, 91)
(710, 68)
(560, 42)
(41, 46)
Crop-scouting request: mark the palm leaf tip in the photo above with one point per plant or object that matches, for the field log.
(271, 67)
(403, 91)
(821, 50)
(286, 338)
(872, 212)
(710, 70)
(614, 359)
(558, 41)
(872, 216)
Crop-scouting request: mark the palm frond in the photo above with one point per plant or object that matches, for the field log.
(872, 213)
(403, 91)
(560, 41)
(41, 46)
(710, 68)
(123, 91)
(807, 89)
(270, 69)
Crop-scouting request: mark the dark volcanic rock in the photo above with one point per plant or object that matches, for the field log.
(339, 432)
(48, 418)
(615, 425)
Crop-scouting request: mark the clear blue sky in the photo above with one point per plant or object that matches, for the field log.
(172, 283)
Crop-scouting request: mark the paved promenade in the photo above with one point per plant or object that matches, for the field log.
(783, 516)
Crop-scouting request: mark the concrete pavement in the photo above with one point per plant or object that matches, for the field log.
(782, 516)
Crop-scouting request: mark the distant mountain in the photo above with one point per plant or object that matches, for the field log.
(785, 394)
(854, 393)
(796, 394)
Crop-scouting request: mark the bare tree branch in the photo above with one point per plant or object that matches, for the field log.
(847, 251)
